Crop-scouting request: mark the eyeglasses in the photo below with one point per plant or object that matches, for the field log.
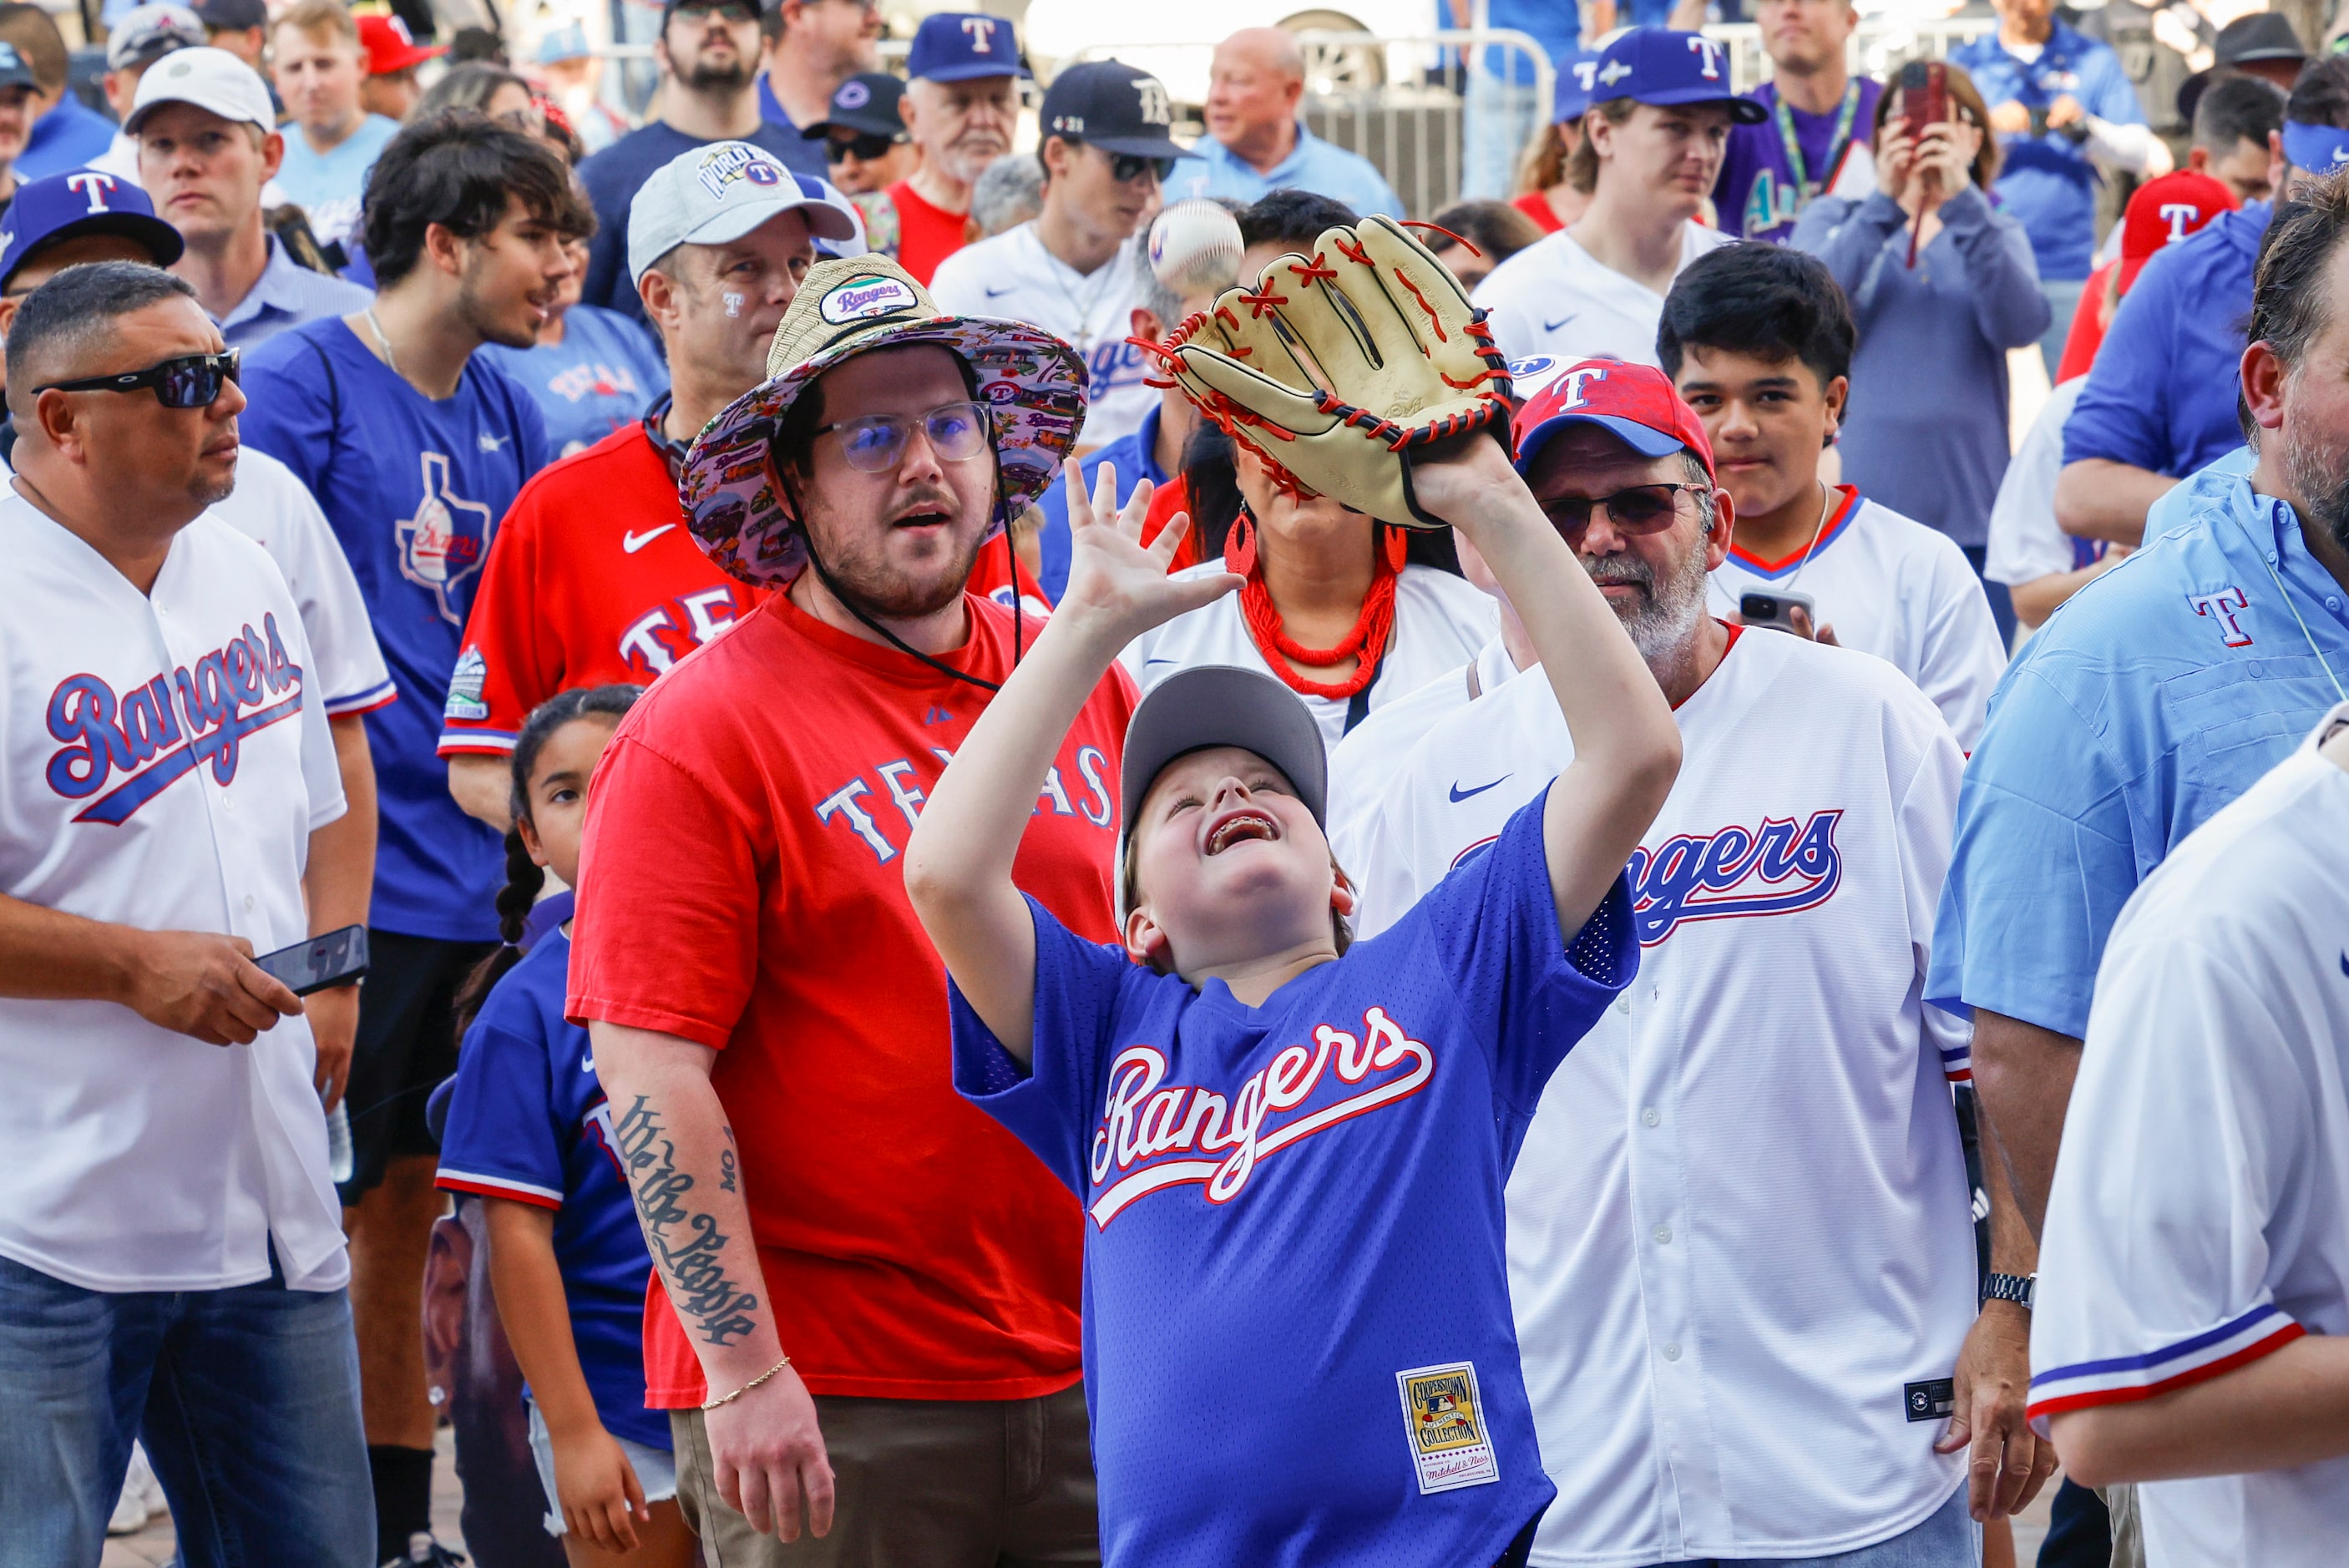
(958, 432)
(1641, 509)
(190, 381)
(736, 11)
(862, 145)
(1125, 168)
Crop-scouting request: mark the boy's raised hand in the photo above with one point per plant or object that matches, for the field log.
(1116, 581)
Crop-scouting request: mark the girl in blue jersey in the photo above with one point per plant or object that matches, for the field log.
(1290, 1149)
(529, 1130)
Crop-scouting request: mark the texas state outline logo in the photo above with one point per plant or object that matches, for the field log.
(443, 543)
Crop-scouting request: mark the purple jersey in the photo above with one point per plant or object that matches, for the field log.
(1298, 1340)
(1759, 191)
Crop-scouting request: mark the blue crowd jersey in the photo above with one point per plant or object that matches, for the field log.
(613, 177)
(2047, 183)
(2159, 693)
(330, 186)
(414, 490)
(804, 155)
(1134, 454)
(1313, 164)
(2161, 393)
(600, 378)
(68, 136)
(1297, 1341)
(1759, 191)
(528, 1121)
(1555, 25)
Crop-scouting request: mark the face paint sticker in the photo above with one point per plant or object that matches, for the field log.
(733, 304)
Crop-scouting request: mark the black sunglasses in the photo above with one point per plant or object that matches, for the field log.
(862, 145)
(736, 11)
(190, 381)
(1127, 167)
(1641, 509)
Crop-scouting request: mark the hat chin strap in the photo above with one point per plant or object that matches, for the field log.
(848, 602)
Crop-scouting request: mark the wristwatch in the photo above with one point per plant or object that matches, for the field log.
(2016, 1288)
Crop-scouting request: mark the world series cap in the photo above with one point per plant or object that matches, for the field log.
(212, 79)
(1635, 402)
(961, 47)
(1663, 66)
(1576, 75)
(722, 192)
(1114, 107)
(2165, 211)
(865, 105)
(151, 32)
(77, 203)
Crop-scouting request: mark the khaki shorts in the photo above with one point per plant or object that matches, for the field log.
(922, 1483)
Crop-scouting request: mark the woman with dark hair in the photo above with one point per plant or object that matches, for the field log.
(1472, 238)
(477, 84)
(1939, 279)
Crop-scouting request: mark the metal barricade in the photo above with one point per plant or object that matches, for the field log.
(1878, 46)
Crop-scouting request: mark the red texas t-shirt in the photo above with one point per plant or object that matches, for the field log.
(741, 887)
(926, 234)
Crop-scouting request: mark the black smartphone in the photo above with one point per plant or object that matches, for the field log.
(336, 959)
(1774, 611)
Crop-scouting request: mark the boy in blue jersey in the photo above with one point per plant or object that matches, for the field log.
(1298, 1347)
(414, 450)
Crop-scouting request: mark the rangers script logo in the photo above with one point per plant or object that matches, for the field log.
(1142, 1120)
(1734, 872)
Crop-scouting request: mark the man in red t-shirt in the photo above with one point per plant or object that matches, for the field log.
(959, 108)
(867, 1289)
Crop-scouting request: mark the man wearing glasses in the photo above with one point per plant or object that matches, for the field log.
(1106, 149)
(171, 1254)
(708, 52)
(1741, 1250)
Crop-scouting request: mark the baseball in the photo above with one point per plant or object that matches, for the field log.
(1195, 247)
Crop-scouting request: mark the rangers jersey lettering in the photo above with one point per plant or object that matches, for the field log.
(1700, 1223)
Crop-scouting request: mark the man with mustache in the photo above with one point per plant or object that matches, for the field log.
(2164, 690)
(959, 108)
(1740, 1247)
(708, 53)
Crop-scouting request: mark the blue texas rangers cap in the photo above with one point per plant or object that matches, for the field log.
(1661, 66)
(77, 203)
(1577, 74)
(960, 45)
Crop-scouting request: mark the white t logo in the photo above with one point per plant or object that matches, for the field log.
(96, 187)
(1587, 72)
(1576, 380)
(1711, 53)
(2177, 214)
(981, 31)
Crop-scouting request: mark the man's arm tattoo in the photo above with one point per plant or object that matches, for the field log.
(686, 1242)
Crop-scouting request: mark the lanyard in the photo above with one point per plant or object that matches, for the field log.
(1805, 186)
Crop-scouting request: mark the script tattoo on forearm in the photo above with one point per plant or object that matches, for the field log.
(686, 1242)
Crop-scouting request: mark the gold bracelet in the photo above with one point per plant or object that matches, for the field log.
(729, 1398)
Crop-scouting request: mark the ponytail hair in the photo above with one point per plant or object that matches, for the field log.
(525, 878)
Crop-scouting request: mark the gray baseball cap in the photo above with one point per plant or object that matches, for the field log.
(1221, 705)
(722, 192)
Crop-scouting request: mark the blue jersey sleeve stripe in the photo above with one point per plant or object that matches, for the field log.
(2155, 1358)
(2128, 1387)
(499, 1187)
(477, 739)
(368, 701)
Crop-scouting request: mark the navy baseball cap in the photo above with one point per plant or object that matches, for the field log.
(1113, 107)
(15, 70)
(231, 16)
(1576, 75)
(1663, 66)
(864, 104)
(77, 203)
(960, 46)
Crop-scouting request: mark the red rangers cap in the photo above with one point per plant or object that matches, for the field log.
(1636, 402)
(2165, 210)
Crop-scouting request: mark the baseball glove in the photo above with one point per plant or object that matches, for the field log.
(1334, 368)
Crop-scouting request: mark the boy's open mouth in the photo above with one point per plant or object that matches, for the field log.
(1240, 826)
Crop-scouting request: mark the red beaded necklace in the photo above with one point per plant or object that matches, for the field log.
(1366, 644)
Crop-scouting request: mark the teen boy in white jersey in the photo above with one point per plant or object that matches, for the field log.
(1758, 341)
(2191, 1315)
(1740, 1248)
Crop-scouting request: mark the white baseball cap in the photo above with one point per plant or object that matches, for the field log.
(209, 78)
(722, 192)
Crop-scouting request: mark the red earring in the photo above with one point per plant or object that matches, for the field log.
(1398, 547)
(1240, 546)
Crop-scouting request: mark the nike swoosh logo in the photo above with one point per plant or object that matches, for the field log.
(999, 293)
(633, 542)
(1554, 326)
(2344, 963)
(490, 443)
(1458, 794)
(1147, 663)
(587, 1064)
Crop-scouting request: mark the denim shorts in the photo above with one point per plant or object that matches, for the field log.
(656, 1468)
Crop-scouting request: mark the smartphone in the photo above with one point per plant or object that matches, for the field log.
(1924, 95)
(336, 959)
(1775, 610)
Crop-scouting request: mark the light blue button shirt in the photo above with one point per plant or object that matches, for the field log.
(2161, 692)
(1313, 164)
(289, 293)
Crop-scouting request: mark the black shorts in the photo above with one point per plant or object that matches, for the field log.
(407, 1044)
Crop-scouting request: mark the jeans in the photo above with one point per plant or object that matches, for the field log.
(248, 1399)
(1499, 119)
(2063, 295)
(1947, 1538)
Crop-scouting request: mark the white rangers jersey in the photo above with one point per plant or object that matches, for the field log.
(1741, 1250)
(2199, 1218)
(1555, 298)
(1364, 764)
(1012, 277)
(1440, 623)
(166, 762)
(1892, 587)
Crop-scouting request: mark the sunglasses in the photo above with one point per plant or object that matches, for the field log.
(958, 432)
(1641, 509)
(190, 381)
(863, 146)
(736, 11)
(1125, 168)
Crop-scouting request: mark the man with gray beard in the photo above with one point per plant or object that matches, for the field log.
(708, 53)
(2166, 689)
(959, 108)
(1741, 1254)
